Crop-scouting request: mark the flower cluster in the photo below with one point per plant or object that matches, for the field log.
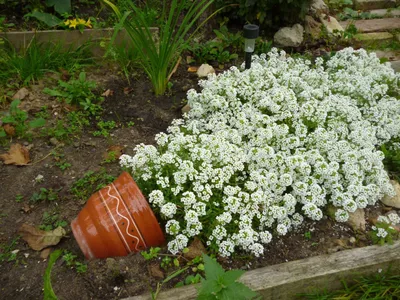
(263, 148)
(384, 230)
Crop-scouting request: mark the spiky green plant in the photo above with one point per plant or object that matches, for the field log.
(160, 57)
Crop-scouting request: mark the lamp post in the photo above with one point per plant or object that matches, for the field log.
(251, 32)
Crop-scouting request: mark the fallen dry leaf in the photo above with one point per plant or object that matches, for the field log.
(192, 69)
(114, 152)
(45, 253)
(128, 90)
(108, 93)
(9, 129)
(39, 239)
(17, 155)
(196, 248)
(21, 94)
(65, 76)
(155, 271)
(26, 208)
(189, 59)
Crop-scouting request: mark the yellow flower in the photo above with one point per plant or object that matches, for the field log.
(67, 22)
(88, 23)
(73, 23)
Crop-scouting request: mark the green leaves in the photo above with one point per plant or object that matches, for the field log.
(222, 285)
(48, 19)
(60, 6)
(48, 289)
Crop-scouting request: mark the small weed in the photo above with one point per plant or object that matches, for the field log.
(69, 127)
(151, 253)
(51, 221)
(6, 251)
(19, 198)
(78, 92)
(130, 124)
(18, 120)
(307, 235)
(48, 289)
(104, 128)
(70, 260)
(91, 182)
(45, 195)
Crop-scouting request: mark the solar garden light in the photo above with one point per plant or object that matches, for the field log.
(251, 32)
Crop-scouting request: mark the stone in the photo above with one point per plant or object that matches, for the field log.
(373, 4)
(368, 38)
(331, 24)
(185, 109)
(54, 141)
(352, 240)
(395, 200)
(312, 27)
(396, 65)
(204, 70)
(390, 55)
(385, 12)
(21, 94)
(357, 219)
(289, 36)
(374, 25)
(318, 6)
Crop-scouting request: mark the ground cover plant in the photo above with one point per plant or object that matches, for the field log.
(264, 148)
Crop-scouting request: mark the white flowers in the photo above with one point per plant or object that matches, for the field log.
(262, 148)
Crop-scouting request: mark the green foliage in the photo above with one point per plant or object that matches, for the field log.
(31, 63)
(349, 13)
(390, 236)
(104, 128)
(91, 182)
(307, 235)
(159, 58)
(45, 195)
(69, 126)
(48, 19)
(152, 253)
(77, 92)
(70, 260)
(222, 285)
(19, 120)
(382, 286)
(6, 251)
(266, 13)
(340, 4)
(48, 289)
(60, 6)
(51, 221)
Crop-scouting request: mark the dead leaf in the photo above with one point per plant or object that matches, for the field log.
(26, 208)
(39, 239)
(9, 129)
(185, 109)
(155, 271)
(196, 248)
(45, 253)
(114, 152)
(190, 59)
(108, 93)
(65, 76)
(175, 68)
(192, 69)
(21, 94)
(17, 155)
(128, 90)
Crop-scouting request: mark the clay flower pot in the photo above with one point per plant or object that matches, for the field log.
(116, 221)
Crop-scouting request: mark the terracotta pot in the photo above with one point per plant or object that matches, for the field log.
(116, 221)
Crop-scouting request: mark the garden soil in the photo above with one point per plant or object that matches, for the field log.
(115, 278)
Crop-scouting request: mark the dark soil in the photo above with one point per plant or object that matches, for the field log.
(115, 278)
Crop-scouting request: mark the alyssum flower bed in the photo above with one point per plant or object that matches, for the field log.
(264, 148)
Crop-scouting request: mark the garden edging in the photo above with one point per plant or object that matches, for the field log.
(75, 38)
(324, 272)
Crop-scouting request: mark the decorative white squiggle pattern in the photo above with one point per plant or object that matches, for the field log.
(115, 222)
(133, 222)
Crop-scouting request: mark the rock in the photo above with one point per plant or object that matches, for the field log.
(395, 65)
(185, 109)
(54, 141)
(357, 219)
(331, 24)
(373, 4)
(312, 27)
(204, 70)
(393, 201)
(289, 36)
(352, 240)
(373, 37)
(196, 248)
(21, 94)
(374, 25)
(318, 7)
(113, 268)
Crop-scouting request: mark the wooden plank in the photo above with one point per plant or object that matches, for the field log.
(285, 281)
